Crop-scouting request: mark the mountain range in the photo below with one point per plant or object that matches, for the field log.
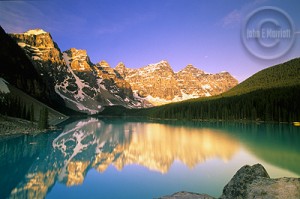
(159, 84)
(69, 79)
(269, 95)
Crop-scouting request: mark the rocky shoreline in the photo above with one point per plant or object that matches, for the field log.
(13, 127)
(251, 182)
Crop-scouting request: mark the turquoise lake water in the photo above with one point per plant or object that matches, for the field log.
(117, 158)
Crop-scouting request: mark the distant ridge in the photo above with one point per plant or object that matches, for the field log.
(269, 95)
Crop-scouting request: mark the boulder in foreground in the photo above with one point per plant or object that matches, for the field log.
(254, 182)
(251, 182)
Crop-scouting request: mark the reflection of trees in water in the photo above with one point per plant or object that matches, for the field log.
(277, 144)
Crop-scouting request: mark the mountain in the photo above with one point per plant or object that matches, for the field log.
(18, 70)
(159, 84)
(71, 74)
(73, 81)
(155, 82)
(113, 81)
(196, 82)
(269, 95)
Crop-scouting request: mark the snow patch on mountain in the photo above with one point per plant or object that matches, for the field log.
(206, 87)
(35, 32)
(155, 66)
(67, 59)
(156, 101)
(85, 106)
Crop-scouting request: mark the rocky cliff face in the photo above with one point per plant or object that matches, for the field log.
(112, 88)
(78, 60)
(72, 75)
(113, 80)
(48, 61)
(18, 70)
(155, 80)
(195, 82)
(159, 84)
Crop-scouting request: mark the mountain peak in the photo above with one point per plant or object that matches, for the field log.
(191, 69)
(103, 63)
(77, 59)
(223, 71)
(76, 51)
(35, 32)
(163, 64)
(120, 65)
(190, 66)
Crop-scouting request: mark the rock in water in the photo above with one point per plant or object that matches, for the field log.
(187, 195)
(244, 176)
(251, 182)
(254, 182)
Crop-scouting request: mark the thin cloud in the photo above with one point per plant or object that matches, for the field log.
(235, 16)
(232, 18)
(14, 19)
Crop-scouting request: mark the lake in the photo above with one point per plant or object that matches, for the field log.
(131, 158)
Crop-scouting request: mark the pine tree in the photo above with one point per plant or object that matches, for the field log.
(43, 119)
(31, 113)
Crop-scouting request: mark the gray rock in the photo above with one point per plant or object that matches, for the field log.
(187, 195)
(274, 188)
(251, 182)
(237, 186)
(254, 182)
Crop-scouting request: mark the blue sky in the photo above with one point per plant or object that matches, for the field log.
(206, 34)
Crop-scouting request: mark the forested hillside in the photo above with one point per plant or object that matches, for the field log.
(272, 94)
(277, 104)
(281, 75)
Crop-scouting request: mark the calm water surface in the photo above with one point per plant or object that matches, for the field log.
(115, 158)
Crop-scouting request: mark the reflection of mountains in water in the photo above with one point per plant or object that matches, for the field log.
(154, 146)
(67, 157)
(92, 143)
(277, 144)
